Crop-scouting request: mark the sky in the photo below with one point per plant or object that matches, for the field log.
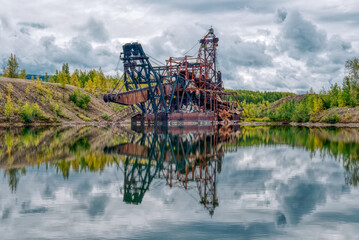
(267, 45)
(271, 192)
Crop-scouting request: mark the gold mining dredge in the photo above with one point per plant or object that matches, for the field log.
(187, 90)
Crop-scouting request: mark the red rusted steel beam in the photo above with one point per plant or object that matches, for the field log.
(136, 96)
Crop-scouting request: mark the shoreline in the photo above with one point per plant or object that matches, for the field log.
(127, 123)
(301, 124)
(39, 124)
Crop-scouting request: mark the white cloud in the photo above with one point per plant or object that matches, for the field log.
(267, 190)
(263, 37)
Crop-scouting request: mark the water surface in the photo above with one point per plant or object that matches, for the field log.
(110, 183)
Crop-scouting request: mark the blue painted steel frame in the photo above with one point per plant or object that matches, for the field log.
(138, 71)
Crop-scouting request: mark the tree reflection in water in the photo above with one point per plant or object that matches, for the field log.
(185, 158)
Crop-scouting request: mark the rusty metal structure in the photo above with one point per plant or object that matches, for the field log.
(188, 89)
(189, 159)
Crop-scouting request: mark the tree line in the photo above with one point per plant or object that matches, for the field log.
(93, 81)
(304, 108)
(256, 97)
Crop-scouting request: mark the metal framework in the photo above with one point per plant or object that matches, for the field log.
(184, 85)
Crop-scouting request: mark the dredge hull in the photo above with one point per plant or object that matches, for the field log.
(181, 118)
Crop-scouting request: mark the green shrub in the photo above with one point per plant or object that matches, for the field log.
(283, 112)
(83, 117)
(56, 108)
(80, 99)
(10, 89)
(9, 109)
(333, 117)
(116, 107)
(105, 116)
(27, 113)
(301, 113)
(36, 111)
(264, 119)
(30, 111)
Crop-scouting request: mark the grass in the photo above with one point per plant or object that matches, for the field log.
(29, 112)
(332, 117)
(53, 104)
(105, 116)
(264, 119)
(83, 117)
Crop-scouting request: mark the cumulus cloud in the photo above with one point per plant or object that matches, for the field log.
(280, 15)
(301, 199)
(4, 24)
(300, 36)
(246, 53)
(264, 45)
(97, 205)
(266, 190)
(33, 25)
(287, 60)
(339, 50)
(45, 54)
(348, 17)
(95, 30)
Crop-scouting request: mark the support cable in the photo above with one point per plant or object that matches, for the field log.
(119, 80)
(158, 61)
(118, 63)
(191, 49)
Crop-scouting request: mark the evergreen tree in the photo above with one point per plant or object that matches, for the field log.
(12, 69)
(351, 80)
(4, 74)
(55, 77)
(348, 97)
(334, 95)
(83, 78)
(325, 98)
(22, 74)
(352, 69)
(66, 70)
(301, 113)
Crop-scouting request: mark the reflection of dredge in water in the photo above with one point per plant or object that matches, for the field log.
(185, 160)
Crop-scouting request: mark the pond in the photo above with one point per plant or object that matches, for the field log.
(179, 183)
